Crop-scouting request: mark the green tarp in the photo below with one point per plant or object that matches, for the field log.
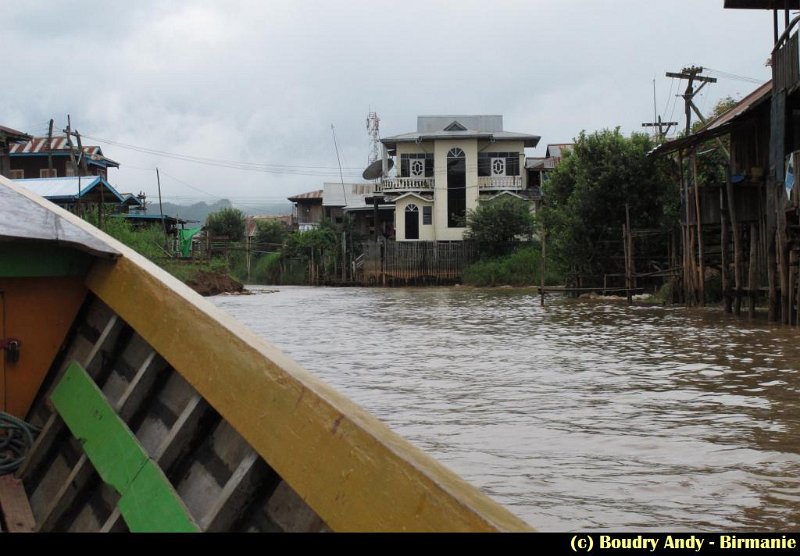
(185, 237)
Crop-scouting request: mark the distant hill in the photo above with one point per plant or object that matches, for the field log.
(199, 211)
(266, 209)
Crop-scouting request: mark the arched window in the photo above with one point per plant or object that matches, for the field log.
(412, 221)
(456, 188)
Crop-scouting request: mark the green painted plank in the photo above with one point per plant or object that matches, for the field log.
(109, 444)
(149, 507)
(39, 260)
(146, 496)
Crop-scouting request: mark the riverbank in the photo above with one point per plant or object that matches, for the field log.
(205, 277)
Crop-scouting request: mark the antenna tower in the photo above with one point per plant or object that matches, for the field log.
(373, 123)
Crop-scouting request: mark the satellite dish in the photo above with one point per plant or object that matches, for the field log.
(375, 170)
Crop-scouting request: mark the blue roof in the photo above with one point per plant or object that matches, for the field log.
(67, 188)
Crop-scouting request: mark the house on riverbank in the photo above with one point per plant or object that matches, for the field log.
(50, 157)
(446, 168)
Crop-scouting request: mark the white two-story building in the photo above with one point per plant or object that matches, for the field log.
(446, 168)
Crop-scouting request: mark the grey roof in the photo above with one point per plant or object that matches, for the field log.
(428, 124)
(350, 195)
(430, 128)
(529, 140)
(307, 196)
(12, 135)
(557, 150)
(540, 163)
(28, 219)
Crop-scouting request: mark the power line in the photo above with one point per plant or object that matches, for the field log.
(233, 164)
(734, 76)
(190, 186)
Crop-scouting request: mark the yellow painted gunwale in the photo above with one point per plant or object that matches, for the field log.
(349, 467)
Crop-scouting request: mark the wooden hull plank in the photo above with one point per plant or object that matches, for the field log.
(148, 502)
(15, 510)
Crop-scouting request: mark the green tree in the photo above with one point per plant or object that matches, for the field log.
(228, 222)
(272, 232)
(586, 196)
(496, 225)
(712, 162)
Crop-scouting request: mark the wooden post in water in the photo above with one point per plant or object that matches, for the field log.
(631, 262)
(627, 262)
(738, 252)
(247, 255)
(701, 272)
(542, 267)
(752, 275)
(723, 242)
(344, 257)
(783, 257)
(688, 290)
(791, 285)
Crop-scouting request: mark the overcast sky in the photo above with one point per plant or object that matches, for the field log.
(262, 82)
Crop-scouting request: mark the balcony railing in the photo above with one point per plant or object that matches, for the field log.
(500, 182)
(406, 184)
(785, 72)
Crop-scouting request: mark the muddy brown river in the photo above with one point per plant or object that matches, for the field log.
(583, 415)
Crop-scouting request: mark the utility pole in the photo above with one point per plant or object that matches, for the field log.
(697, 283)
(74, 161)
(663, 128)
(692, 74)
(50, 147)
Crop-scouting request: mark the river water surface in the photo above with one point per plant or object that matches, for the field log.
(582, 415)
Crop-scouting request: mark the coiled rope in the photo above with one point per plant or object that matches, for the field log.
(16, 440)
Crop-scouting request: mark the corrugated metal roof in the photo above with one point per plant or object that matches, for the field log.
(750, 101)
(14, 135)
(350, 196)
(557, 150)
(310, 195)
(66, 188)
(540, 163)
(722, 123)
(151, 217)
(25, 218)
(60, 146)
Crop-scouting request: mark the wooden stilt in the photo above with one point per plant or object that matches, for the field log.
(701, 272)
(723, 242)
(752, 276)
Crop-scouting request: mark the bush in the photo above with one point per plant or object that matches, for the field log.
(496, 225)
(520, 268)
(228, 222)
(270, 233)
(267, 269)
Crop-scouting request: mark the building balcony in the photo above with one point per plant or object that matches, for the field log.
(507, 183)
(405, 184)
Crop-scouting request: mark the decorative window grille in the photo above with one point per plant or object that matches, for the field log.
(498, 166)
